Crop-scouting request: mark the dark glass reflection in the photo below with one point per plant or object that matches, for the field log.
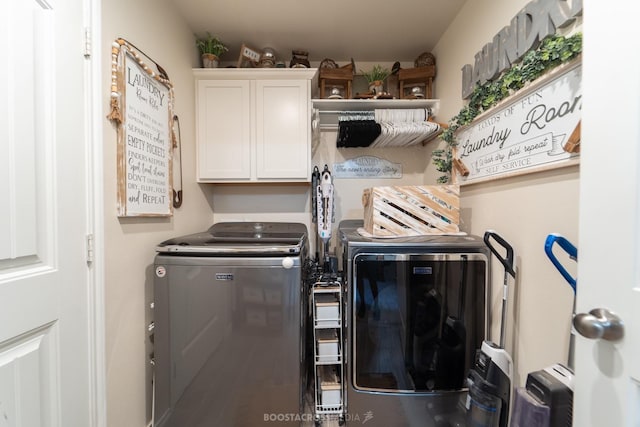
(417, 321)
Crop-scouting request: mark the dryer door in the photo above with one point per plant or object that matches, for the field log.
(417, 320)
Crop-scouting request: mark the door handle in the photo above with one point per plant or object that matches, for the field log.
(599, 323)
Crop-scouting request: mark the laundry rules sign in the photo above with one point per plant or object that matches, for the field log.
(145, 143)
(529, 131)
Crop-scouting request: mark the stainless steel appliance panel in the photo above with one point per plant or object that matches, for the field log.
(229, 339)
(416, 313)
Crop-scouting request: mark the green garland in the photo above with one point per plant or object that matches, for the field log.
(553, 51)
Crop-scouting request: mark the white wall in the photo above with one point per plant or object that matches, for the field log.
(524, 210)
(292, 202)
(154, 27)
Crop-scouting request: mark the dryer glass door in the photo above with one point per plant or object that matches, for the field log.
(417, 320)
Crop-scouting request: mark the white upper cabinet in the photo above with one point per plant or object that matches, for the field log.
(224, 111)
(253, 125)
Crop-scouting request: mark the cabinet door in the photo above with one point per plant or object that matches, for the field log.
(283, 135)
(223, 126)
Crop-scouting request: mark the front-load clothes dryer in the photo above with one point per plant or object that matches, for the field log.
(416, 313)
(229, 330)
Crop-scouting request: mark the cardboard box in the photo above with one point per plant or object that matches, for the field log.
(327, 311)
(327, 342)
(331, 393)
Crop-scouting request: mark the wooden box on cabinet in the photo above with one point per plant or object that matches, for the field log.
(253, 125)
(420, 76)
(335, 77)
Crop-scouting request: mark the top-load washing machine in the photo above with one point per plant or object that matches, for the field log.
(416, 313)
(229, 325)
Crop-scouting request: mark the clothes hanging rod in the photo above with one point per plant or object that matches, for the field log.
(328, 126)
(363, 112)
(333, 106)
(352, 112)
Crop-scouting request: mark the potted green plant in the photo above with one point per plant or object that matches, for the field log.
(210, 50)
(376, 77)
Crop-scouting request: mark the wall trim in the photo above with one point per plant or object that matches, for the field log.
(95, 213)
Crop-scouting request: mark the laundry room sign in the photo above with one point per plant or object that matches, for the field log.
(536, 129)
(142, 110)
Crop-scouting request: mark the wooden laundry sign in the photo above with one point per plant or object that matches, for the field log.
(536, 129)
(142, 109)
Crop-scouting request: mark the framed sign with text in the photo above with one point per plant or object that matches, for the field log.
(143, 113)
(248, 57)
(535, 129)
(365, 167)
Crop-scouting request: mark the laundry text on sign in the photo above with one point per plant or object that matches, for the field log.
(527, 131)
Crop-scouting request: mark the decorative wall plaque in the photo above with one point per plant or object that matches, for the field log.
(141, 107)
(367, 167)
(533, 130)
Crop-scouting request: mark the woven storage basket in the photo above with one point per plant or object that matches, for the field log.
(411, 210)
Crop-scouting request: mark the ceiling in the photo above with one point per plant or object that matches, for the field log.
(367, 31)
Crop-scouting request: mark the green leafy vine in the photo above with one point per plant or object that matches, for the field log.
(552, 51)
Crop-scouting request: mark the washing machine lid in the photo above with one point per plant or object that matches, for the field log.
(241, 238)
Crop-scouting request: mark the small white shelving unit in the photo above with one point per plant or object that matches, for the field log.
(329, 393)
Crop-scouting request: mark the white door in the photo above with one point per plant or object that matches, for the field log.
(44, 217)
(608, 372)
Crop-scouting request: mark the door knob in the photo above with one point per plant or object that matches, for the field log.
(599, 323)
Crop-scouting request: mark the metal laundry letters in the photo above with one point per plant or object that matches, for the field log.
(537, 20)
